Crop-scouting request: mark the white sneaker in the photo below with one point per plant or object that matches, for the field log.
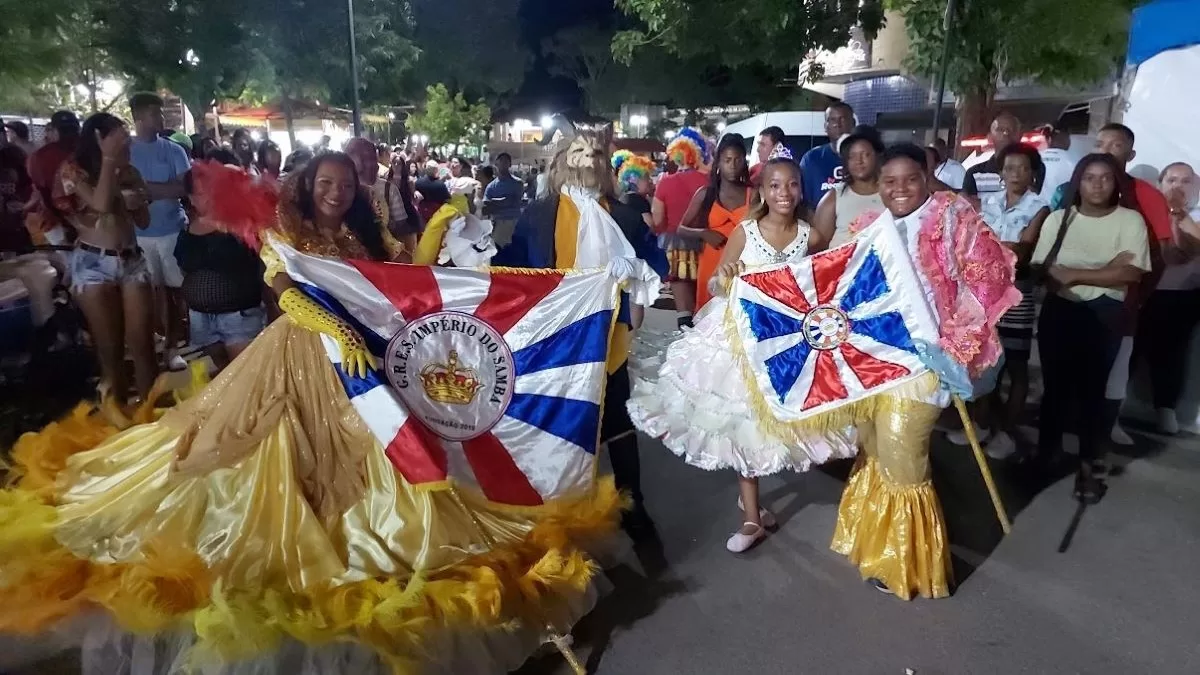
(1001, 447)
(764, 515)
(1119, 436)
(959, 437)
(740, 543)
(1168, 423)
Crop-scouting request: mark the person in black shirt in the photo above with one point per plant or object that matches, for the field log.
(222, 285)
(433, 191)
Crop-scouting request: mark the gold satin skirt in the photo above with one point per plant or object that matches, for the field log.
(263, 508)
(890, 522)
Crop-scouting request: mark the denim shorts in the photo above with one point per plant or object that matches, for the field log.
(227, 328)
(89, 268)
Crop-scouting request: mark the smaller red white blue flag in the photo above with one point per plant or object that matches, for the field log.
(837, 327)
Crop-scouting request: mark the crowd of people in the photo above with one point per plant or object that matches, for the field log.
(1102, 254)
(1100, 257)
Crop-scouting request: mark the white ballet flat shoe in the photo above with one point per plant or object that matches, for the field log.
(740, 543)
(764, 516)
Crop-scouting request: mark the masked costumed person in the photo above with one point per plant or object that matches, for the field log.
(689, 151)
(890, 522)
(261, 525)
(581, 224)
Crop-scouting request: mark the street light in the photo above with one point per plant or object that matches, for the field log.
(391, 115)
(546, 121)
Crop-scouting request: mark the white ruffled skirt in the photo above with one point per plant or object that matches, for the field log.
(695, 400)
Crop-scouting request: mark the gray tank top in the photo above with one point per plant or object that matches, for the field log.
(850, 205)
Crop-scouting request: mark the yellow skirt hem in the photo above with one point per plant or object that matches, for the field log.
(535, 583)
(894, 533)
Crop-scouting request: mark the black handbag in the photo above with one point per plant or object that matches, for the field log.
(1040, 272)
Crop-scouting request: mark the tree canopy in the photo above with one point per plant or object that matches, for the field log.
(654, 75)
(232, 49)
(449, 119)
(1066, 42)
(763, 33)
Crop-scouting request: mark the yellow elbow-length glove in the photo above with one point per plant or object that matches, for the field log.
(356, 360)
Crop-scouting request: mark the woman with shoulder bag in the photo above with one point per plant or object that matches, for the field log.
(1087, 256)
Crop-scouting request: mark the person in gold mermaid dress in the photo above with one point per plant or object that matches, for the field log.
(261, 517)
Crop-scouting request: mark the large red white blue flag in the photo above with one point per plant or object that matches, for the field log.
(837, 327)
(490, 379)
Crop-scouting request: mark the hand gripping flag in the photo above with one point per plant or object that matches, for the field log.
(489, 379)
(835, 328)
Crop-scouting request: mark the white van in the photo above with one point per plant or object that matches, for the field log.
(803, 130)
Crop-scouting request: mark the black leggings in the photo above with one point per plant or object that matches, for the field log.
(1078, 343)
(1164, 334)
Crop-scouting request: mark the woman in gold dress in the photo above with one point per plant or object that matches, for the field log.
(261, 517)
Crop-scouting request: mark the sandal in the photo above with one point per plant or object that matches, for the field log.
(740, 543)
(1088, 488)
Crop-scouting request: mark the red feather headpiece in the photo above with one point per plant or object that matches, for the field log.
(239, 203)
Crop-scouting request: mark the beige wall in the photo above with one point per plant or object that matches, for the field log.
(891, 45)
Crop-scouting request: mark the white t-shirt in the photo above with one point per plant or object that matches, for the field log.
(463, 185)
(951, 172)
(1059, 167)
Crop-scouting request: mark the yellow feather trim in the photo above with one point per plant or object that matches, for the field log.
(38, 457)
(531, 582)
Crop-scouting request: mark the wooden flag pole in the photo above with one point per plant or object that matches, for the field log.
(969, 428)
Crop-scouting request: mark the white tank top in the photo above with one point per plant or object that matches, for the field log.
(759, 252)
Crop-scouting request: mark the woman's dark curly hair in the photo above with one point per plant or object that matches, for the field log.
(87, 155)
(361, 218)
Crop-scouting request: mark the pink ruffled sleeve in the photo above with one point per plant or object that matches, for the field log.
(983, 292)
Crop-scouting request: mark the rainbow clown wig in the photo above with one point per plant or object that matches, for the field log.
(631, 168)
(688, 149)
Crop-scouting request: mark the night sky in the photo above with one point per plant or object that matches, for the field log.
(540, 19)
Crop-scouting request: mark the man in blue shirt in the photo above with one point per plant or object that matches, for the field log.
(163, 165)
(502, 200)
(821, 167)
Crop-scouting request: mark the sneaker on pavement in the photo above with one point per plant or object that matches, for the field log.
(1120, 437)
(959, 437)
(1168, 423)
(1001, 447)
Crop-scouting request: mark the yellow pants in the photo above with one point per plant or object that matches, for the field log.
(890, 522)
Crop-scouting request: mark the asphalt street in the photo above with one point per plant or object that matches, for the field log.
(1121, 599)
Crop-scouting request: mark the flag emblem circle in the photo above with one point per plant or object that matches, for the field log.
(454, 371)
(826, 327)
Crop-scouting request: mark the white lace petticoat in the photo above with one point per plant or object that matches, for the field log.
(698, 405)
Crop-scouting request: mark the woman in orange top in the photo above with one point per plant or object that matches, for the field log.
(718, 208)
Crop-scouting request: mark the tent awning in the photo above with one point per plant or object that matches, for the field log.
(1160, 26)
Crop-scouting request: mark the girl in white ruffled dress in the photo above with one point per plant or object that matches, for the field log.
(699, 406)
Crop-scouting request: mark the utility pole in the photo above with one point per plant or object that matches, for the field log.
(947, 33)
(357, 110)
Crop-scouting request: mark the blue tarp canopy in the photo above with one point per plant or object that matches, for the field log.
(1162, 25)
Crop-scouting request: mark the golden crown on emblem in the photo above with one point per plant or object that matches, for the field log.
(449, 383)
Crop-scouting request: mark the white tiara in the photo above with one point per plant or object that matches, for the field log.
(780, 151)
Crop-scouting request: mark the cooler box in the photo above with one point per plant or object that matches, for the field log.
(16, 317)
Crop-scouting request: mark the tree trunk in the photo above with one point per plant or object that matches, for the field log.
(289, 119)
(92, 91)
(975, 113)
